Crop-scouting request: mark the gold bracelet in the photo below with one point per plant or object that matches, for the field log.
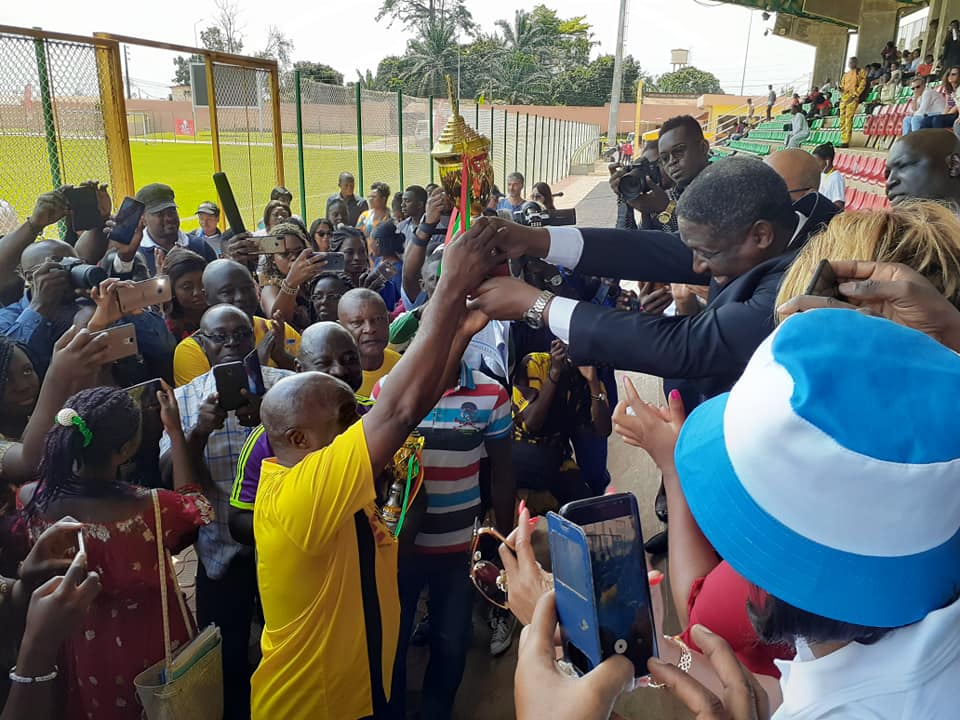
(684, 664)
(286, 289)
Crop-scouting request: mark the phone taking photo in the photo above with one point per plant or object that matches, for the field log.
(154, 291)
(334, 261)
(231, 380)
(84, 209)
(604, 569)
(121, 342)
(126, 221)
(254, 371)
(269, 245)
(824, 282)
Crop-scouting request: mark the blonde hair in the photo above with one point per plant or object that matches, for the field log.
(922, 235)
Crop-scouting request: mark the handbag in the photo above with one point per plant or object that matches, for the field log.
(188, 685)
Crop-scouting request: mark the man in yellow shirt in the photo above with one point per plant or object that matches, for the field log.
(364, 314)
(852, 85)
(327, 565)
(229, 282)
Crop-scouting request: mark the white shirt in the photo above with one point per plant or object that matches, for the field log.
(800, 123)
(932, 102)
(911, 674)
(832, 186)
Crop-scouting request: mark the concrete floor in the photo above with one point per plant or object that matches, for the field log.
(487, 689)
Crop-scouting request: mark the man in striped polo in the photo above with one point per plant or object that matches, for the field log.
(470, 425)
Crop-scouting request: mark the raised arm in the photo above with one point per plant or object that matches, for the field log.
(50, 207)
(413, 388)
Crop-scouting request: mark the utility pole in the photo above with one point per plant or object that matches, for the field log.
(617, 89)
(126, 57)
(746, 54)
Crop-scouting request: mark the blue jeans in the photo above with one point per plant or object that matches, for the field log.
(450, 605)
(912, 123)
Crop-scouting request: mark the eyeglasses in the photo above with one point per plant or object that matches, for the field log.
(486, 568)
(221, 338)
(677, 152)
(323, 233)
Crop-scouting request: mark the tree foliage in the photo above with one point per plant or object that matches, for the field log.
(689, 80)
(318, 72)
(419, 15)
(181, 72)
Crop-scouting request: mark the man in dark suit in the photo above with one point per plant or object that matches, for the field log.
(738, 233)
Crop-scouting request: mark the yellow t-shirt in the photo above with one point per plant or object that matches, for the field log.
(190, 361)
(370, 377)
(317, 526)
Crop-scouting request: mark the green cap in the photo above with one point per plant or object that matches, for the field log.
(156, 197)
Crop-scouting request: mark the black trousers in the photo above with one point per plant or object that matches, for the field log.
(228, 603)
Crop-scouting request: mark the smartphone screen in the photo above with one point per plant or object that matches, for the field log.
(126, 220)
(611, 525)
(255, 385)
(145, 395)
(824, 282)
(84, 211)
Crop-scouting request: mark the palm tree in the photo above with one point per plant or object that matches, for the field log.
(432, 57)
(523, 36)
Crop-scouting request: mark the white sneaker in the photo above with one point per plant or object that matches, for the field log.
(503, 623)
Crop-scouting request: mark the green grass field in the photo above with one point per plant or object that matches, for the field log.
(188, 167)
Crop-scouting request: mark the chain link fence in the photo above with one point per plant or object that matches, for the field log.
(387, 137)
(51, 122)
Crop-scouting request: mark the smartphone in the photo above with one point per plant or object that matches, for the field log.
(386, 270)
(335, 261)
(269, 245)
(84, 211)
(626, 626)
(121, 342)
(231, 378)
(255, 384)
(145, 395)
(824, 282)
(154, 291)
(126, 220)
(228, 203)
(574, 592)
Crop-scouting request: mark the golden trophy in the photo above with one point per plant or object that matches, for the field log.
(463, 161)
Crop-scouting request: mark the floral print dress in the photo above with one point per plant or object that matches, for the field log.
(122, 634)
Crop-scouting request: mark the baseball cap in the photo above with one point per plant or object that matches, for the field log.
(208, 208)
(824, 484)
(156, 197)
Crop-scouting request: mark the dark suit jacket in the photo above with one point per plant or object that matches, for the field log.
(711, 348)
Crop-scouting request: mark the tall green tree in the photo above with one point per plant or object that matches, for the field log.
(523, 35)
(431, 57)
(689, 80)
(418, 15)
(318, 72)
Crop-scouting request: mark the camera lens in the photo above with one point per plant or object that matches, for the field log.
(634, 184)
(83, 276)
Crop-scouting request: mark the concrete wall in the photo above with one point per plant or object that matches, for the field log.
(831, 61)
(878, 25)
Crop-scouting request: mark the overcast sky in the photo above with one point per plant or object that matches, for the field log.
(342, 33)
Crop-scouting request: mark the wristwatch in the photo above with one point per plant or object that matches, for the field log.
(534, 316)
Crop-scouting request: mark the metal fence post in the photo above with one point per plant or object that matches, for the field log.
(116, 134)
(212, 107)
(526, 144)
(46, 104)
(476, 116)
(303, 180)
(400, 131)
(277, 128)
(505, 148)
(516, 142)
(536, 147)
(359, 140)
(430, 131)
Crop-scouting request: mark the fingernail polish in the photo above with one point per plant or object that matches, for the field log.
(654, 581)
(521, 507)
(533, 521)
(674, 394)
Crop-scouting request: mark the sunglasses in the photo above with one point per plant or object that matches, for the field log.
(486, 568)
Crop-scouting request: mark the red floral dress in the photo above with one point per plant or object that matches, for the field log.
(122, 634)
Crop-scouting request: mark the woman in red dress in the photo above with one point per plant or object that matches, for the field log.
(122, 634)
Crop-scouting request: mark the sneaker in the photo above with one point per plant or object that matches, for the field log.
(421, 632)
(503, 623)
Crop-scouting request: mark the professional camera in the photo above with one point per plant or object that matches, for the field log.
(83, 276)
(637, 181)
(532, 214)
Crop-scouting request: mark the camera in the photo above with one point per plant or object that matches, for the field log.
(637, 181)
(83, 276)
(532, 214)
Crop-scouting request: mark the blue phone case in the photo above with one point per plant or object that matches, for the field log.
(573, 587)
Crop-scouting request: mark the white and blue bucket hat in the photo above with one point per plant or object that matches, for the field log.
(829, 476)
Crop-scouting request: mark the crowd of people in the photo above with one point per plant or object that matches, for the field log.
(429, 384)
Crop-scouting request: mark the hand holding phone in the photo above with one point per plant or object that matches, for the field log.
(84, 207)
(121, 342)
(136, 296)
(127, 221)
(269, 245)
(231, 379)
(824, 282)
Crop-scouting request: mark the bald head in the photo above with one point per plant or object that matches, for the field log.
(799, 169)
(924, 165)
(305, 412)
(36, 253)
(364, 314)
(227, 281)
(327, 347)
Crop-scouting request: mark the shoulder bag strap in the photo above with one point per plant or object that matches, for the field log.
(172, 573)
(161, 568)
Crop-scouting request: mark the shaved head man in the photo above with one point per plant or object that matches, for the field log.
(799, 170)
(363, 313)
(924, 165)
(227, 281)
(305, 412)
(329, 348)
